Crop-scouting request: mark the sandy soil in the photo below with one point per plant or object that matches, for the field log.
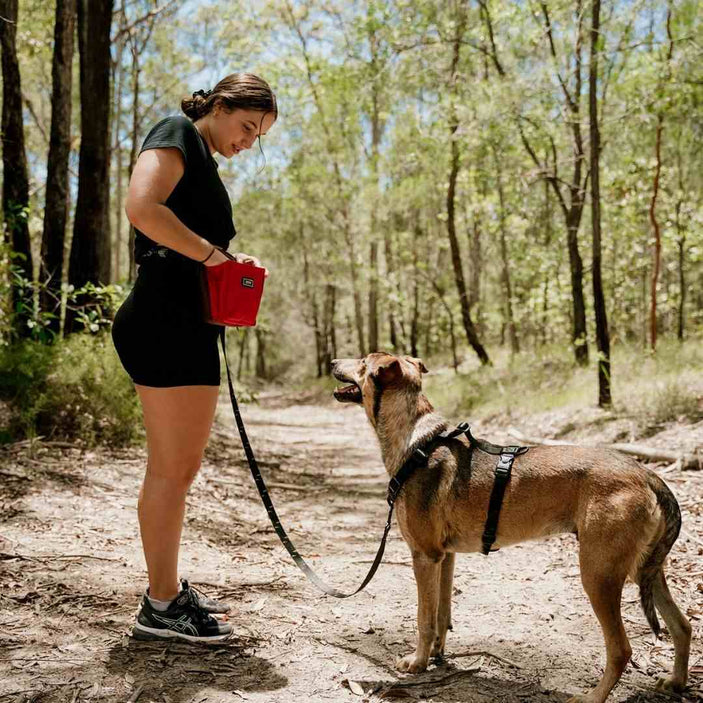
(71, 574)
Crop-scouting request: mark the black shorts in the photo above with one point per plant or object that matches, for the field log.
(159, 331)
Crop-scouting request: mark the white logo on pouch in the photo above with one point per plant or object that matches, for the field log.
(247, 282)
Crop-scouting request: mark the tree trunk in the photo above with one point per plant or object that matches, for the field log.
(547, 243)
(134, 48)
(436, 282)
(56, 207)
(373, 292)
(602, 334)
(390, 276)
(681, 245)
(90, 248)
(309, 293)
(415, 320)
(15, 184)
(475, 260)
(116, 123)
(505, 270)
(469, 328)
(243, 351)
(376, 132)
(260, 352)
(657, 244)
(330, 340)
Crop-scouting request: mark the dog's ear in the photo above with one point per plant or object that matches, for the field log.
(419, 363)
(388, 370)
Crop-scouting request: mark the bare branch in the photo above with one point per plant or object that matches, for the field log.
(148, 17)
(553, 51)
(489, 24)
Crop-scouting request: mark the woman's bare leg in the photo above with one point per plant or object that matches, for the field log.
(178, 422)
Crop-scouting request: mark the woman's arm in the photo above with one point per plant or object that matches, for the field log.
(155, 175)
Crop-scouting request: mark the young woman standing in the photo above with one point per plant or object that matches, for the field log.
(182, 215)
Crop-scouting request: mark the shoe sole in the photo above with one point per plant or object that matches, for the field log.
(143, 633)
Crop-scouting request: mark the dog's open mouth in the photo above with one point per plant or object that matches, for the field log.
(347, 394)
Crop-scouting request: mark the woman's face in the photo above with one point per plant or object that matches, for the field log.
(232, 132)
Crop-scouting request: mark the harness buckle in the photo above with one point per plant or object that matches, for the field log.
(394, 487)
(504, 465)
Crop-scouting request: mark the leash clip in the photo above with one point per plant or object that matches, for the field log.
(394, 487)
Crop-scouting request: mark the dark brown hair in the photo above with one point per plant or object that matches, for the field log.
(243, 91)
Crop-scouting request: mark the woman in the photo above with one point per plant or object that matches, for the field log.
(183, 218)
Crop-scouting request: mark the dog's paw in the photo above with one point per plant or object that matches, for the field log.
(411, 664)
(669, 685)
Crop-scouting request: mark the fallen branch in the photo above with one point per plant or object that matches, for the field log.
(483, 653)
(438, 681)
(687, 462)
(136, 694)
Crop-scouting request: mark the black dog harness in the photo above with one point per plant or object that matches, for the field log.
(506, 457)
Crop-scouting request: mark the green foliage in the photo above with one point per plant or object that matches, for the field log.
(74, 390)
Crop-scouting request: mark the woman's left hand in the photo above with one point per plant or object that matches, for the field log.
(247, 259)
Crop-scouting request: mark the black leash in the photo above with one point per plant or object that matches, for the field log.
(396, 483)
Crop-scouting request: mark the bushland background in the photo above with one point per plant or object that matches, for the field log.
(485, 185)
(511, 191)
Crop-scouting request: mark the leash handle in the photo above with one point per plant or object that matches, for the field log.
(273, 516)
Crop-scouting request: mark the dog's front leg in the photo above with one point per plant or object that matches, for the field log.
(427, 572)
(444, 610)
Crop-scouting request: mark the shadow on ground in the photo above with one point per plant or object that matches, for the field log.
(181, 670)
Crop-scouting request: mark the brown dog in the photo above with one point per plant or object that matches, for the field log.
(624, 516)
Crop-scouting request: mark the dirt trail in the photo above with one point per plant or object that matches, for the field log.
(71, 573)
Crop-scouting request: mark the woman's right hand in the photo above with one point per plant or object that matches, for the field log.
(216, 258)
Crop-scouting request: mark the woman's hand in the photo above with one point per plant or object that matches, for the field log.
(247, 259)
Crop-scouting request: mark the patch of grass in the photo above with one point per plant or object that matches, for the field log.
(74, 390)
(528, 382)
(655, 389)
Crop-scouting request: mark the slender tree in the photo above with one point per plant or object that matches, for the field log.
(455, 165)
(90, 249)
(57, 182)
(602, 335)
(656, 230)
(15, 182)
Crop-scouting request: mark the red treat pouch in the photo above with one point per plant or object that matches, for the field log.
(233, 293)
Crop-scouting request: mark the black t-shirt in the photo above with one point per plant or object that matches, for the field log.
(199, 200)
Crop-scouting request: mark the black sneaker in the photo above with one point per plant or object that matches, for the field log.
(209, 605)
(184, 619)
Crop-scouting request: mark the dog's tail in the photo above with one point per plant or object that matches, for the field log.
(650, 568)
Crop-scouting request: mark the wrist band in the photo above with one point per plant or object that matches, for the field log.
(214, 249)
